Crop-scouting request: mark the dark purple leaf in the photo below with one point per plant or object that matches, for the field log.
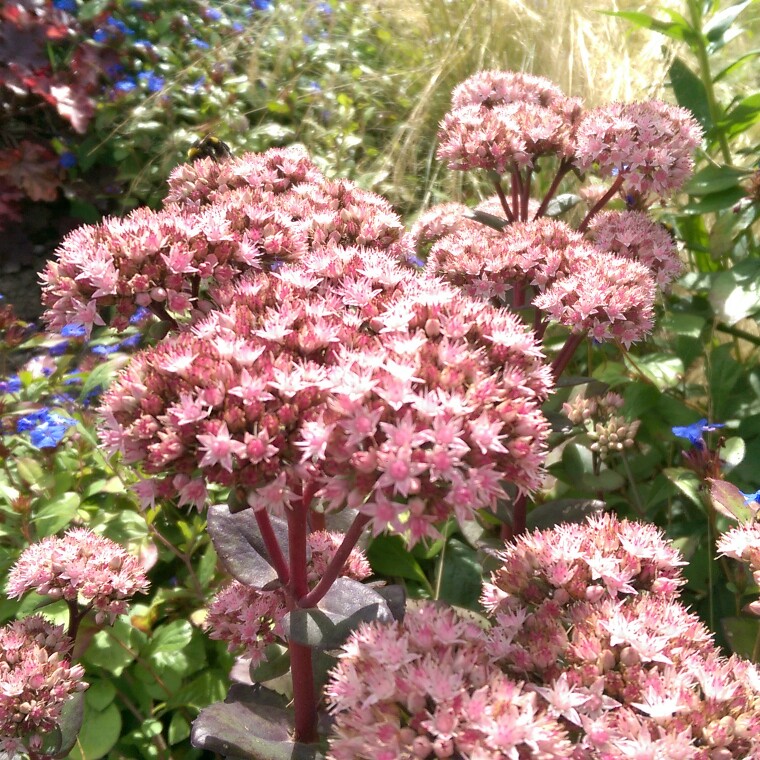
(347, 604)
(240, 547)
(253, 723)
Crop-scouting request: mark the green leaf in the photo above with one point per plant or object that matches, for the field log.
(30, 470)
(736, 65)
(389, 556)
(686, 481)
(114, 648)
(714, 178)
(741, 634)
(171, 638)
(57, 514)
(606, 480)
(663, 370)
(179, 728)
(717, 26)
(461, 576)
(690, 92)
(677, 29)
(732, 452)
(561, 204)
(714, 202)
(100, 731)
(742, 116)
(735, 294)
(100, 694)
(689, 325)
(551, 513)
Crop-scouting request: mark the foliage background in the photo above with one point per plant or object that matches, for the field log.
(362, 85)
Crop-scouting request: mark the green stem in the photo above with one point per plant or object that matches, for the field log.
(700, 49)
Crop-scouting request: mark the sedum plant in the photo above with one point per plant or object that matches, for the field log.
(303, 366)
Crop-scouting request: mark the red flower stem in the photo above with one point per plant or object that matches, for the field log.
(506, 532)
(516, 188)
(276, 557)
(316, 521)
(301, 670)
(336, 563)
(525, 195)
(564, 167)
(519, 513)
(504, 202)
(601, 203)
(562, 359)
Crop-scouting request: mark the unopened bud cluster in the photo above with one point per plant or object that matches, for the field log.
(608, 430)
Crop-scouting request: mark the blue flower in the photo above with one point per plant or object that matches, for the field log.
(125, 85)
(73, 330)
(31, 420)
(213, 14)
(202, 44)
(91, 396)
(263, 5)
(237, 27)
(198, 83)
(325, 8)
(140, 314)
(11, 385)
(132, 341)
(694, 431)
(67, 160)
(102, 350)
(147, 44)
(153, 80)
(102, 35)
(59, 349)
(751, 497)
(70, 6)
(120, 25)
(46, 428)
(114, 70)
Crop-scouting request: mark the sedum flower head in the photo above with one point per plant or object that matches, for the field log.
(250, 618)
(80, 567)
(36, 679)
(397, 395)
(502, 119)
(435, 223)
(649, 144)
(425, 688)
(487, 263)
(608, 297)
(265, 210)
(635, 236)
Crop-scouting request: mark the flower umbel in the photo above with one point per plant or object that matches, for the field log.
(81, 567)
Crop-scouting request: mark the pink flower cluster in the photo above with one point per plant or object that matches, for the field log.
(579, 285)
(500, 120)
(743, 544)
(81, 567)
(397, 395)
(250, 618)
(648, 144)
(225, 219)
(586, 629)
(633, 235)
(609, 298)
(427, 688)
(36, 679)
